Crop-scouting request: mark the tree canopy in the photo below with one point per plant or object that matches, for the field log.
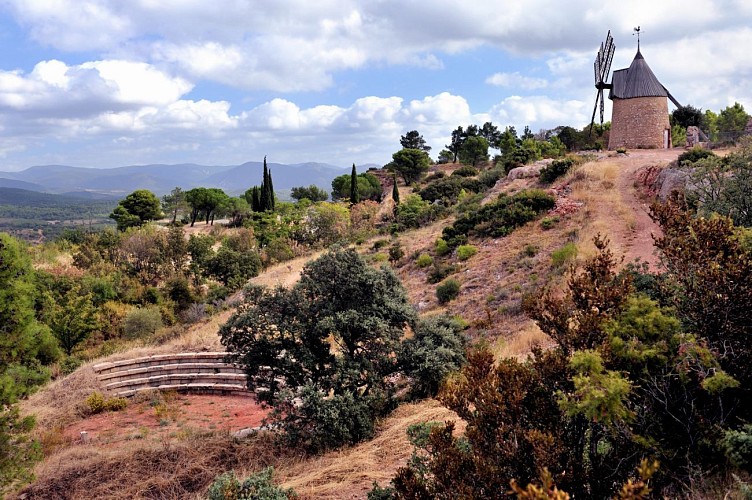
(369, 187)
(136, 209)
(413, 140)
(410, 164)
(330, 340)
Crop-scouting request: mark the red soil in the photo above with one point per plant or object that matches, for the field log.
(174, 414)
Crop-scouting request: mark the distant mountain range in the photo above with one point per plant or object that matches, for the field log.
(96, 183)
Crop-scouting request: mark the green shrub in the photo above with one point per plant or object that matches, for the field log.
(530, 250)
(693, 155)
(738, 447)
(378, 244)
(465, 171)
(621, 150)
(464, 252)
(445, 189)
(448, 290)
(70, 364)
(489, 177)
(115, 404)
(435, 176)
(439, 272)
(555, 169)
(258, 486)
(415, 212)
(549, 222)
(424, 260)
(500, 217)
(396, 252)
(142, 322)
(97, 403)
(436, 349)
(442, 248)
(564, 254)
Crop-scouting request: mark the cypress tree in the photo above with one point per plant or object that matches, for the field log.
(256, 199)
(264, 197)
(271, 190)
(354, 193)
(395, 191)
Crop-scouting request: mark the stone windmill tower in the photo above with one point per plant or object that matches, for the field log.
(639, 118)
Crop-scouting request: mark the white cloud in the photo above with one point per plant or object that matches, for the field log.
(516, 80)
(540, 112)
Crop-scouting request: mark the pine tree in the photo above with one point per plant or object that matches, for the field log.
(395, 191)
(354, 193)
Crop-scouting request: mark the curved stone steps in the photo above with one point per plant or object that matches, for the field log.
(169, 369)
(161, 359)
(194, 372)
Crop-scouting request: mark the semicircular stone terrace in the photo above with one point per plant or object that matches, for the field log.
(188, 372)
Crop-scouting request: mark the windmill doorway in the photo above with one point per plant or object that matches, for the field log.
(666, 138)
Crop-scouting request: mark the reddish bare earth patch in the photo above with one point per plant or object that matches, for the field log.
(167, 417)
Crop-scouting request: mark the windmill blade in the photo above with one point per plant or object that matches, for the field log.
(602, 105)
(609, 58)
(598, 95)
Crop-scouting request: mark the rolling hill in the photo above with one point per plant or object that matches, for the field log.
(161, 179)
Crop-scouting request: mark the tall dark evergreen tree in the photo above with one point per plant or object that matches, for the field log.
(270, 187)
(264, 203)
(395, 190)
(256, 199)
(354, 193)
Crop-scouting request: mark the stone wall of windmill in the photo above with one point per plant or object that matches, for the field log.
(640, 123)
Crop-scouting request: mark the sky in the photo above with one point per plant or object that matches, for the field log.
(106, 83)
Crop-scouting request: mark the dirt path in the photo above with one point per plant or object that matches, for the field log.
(613, 205)
(637, 237)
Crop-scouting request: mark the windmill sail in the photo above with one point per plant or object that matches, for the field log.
(601, 67)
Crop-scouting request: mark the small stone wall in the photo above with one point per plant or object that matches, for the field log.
(639, 123)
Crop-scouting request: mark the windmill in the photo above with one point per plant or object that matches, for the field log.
(601, 67)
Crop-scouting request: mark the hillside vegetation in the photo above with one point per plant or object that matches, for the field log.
(566, 378)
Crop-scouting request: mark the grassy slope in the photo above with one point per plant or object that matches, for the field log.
(493, 282)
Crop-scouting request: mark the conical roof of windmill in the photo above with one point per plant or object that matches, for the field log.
(636, 81)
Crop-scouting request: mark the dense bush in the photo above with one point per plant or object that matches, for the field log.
(322, 352)
(555, 169)
(233, 268)
(464, 252)
(448, 189)
(439, 272)
(500, 217)
(436, 349)
(448, 290)
(628, 385)
(423, 260)
(142, 322)
(441, 247)
(258, 486)
(695, 154)
(414, 212)
(465, 171)
(97, 403)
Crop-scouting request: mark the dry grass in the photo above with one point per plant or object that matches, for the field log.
(350, 472)
(605, 212)
(284, 274)
(171, 470)
(519, 345)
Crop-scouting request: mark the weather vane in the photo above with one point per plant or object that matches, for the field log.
(637, 32)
